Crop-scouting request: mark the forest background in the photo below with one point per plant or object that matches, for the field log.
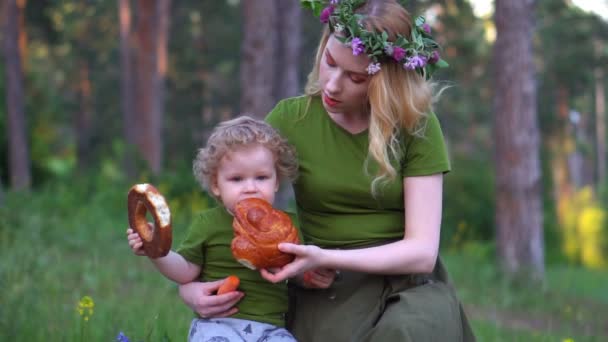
(103, 94)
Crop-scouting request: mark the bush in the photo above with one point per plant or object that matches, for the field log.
(468, 209)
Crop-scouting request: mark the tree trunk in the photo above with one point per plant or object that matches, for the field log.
(22, 34)
(287, 82)
(600, 120)
(289, 41)
(258, 66)
(19, 161)
(84, 117)
(127, 86)
(164, 10)
(518, 172)
(148, 88)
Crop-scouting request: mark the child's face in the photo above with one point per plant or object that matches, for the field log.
(248, 171)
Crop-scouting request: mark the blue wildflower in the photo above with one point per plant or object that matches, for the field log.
(122, 337)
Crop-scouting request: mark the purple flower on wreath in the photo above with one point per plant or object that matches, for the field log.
(434, 57)
(413, 62)
(326, 13)
(357, 45)
(388, 49)
(122, 337)
(398, 53)
(373, 68)
(427, 28)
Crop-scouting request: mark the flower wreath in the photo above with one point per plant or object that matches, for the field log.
(417, 53)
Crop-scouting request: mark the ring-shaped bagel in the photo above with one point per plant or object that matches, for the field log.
(144, 198)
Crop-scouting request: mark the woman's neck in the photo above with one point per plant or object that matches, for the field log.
(353, 123)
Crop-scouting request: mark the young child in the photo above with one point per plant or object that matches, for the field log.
(243, 158)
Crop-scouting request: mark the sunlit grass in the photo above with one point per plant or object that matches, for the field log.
(489, 331)
(57, 248)
(571, 303)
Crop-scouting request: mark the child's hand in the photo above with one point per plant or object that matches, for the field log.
(200, 298)
(135, 242)
(320, 278)
(231, 283)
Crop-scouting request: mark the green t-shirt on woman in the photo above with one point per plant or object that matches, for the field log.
(208, 244)
(335, 205)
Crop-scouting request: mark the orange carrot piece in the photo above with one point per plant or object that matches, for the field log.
(232, 283)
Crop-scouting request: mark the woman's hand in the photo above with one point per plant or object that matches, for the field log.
(201, 298)
(307, 257)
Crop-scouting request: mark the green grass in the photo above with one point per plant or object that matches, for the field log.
(489, 331)
(59, 245)
(571, 303)
(64, 242)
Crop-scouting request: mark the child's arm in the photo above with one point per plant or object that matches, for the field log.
(172, 266)
(176, 268)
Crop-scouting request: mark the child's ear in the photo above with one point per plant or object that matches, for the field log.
(278, 176)
(214, 188)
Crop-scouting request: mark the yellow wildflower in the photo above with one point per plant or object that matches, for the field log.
(85, 307)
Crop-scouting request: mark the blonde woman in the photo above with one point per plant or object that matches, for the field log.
(369, 193)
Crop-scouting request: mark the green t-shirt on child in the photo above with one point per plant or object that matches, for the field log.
(208, 244)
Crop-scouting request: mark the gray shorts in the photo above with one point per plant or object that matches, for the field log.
(236, 330)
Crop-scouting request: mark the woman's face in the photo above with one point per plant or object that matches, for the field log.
(343, 79)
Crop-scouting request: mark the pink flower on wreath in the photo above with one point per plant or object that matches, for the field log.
(357, 45)
(434, 57)
(427, 28)
(326, 13)
(398, 53)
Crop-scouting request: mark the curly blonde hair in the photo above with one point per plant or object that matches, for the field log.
(243, 131)
(399, 99)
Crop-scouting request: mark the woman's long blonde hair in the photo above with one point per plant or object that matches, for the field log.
(399, 99)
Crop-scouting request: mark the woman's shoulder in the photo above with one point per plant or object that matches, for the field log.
(426, 127)
(297, 106)
(425, 149)
(288, 112)
(295, 101)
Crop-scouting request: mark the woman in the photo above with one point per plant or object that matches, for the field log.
(372, 159)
